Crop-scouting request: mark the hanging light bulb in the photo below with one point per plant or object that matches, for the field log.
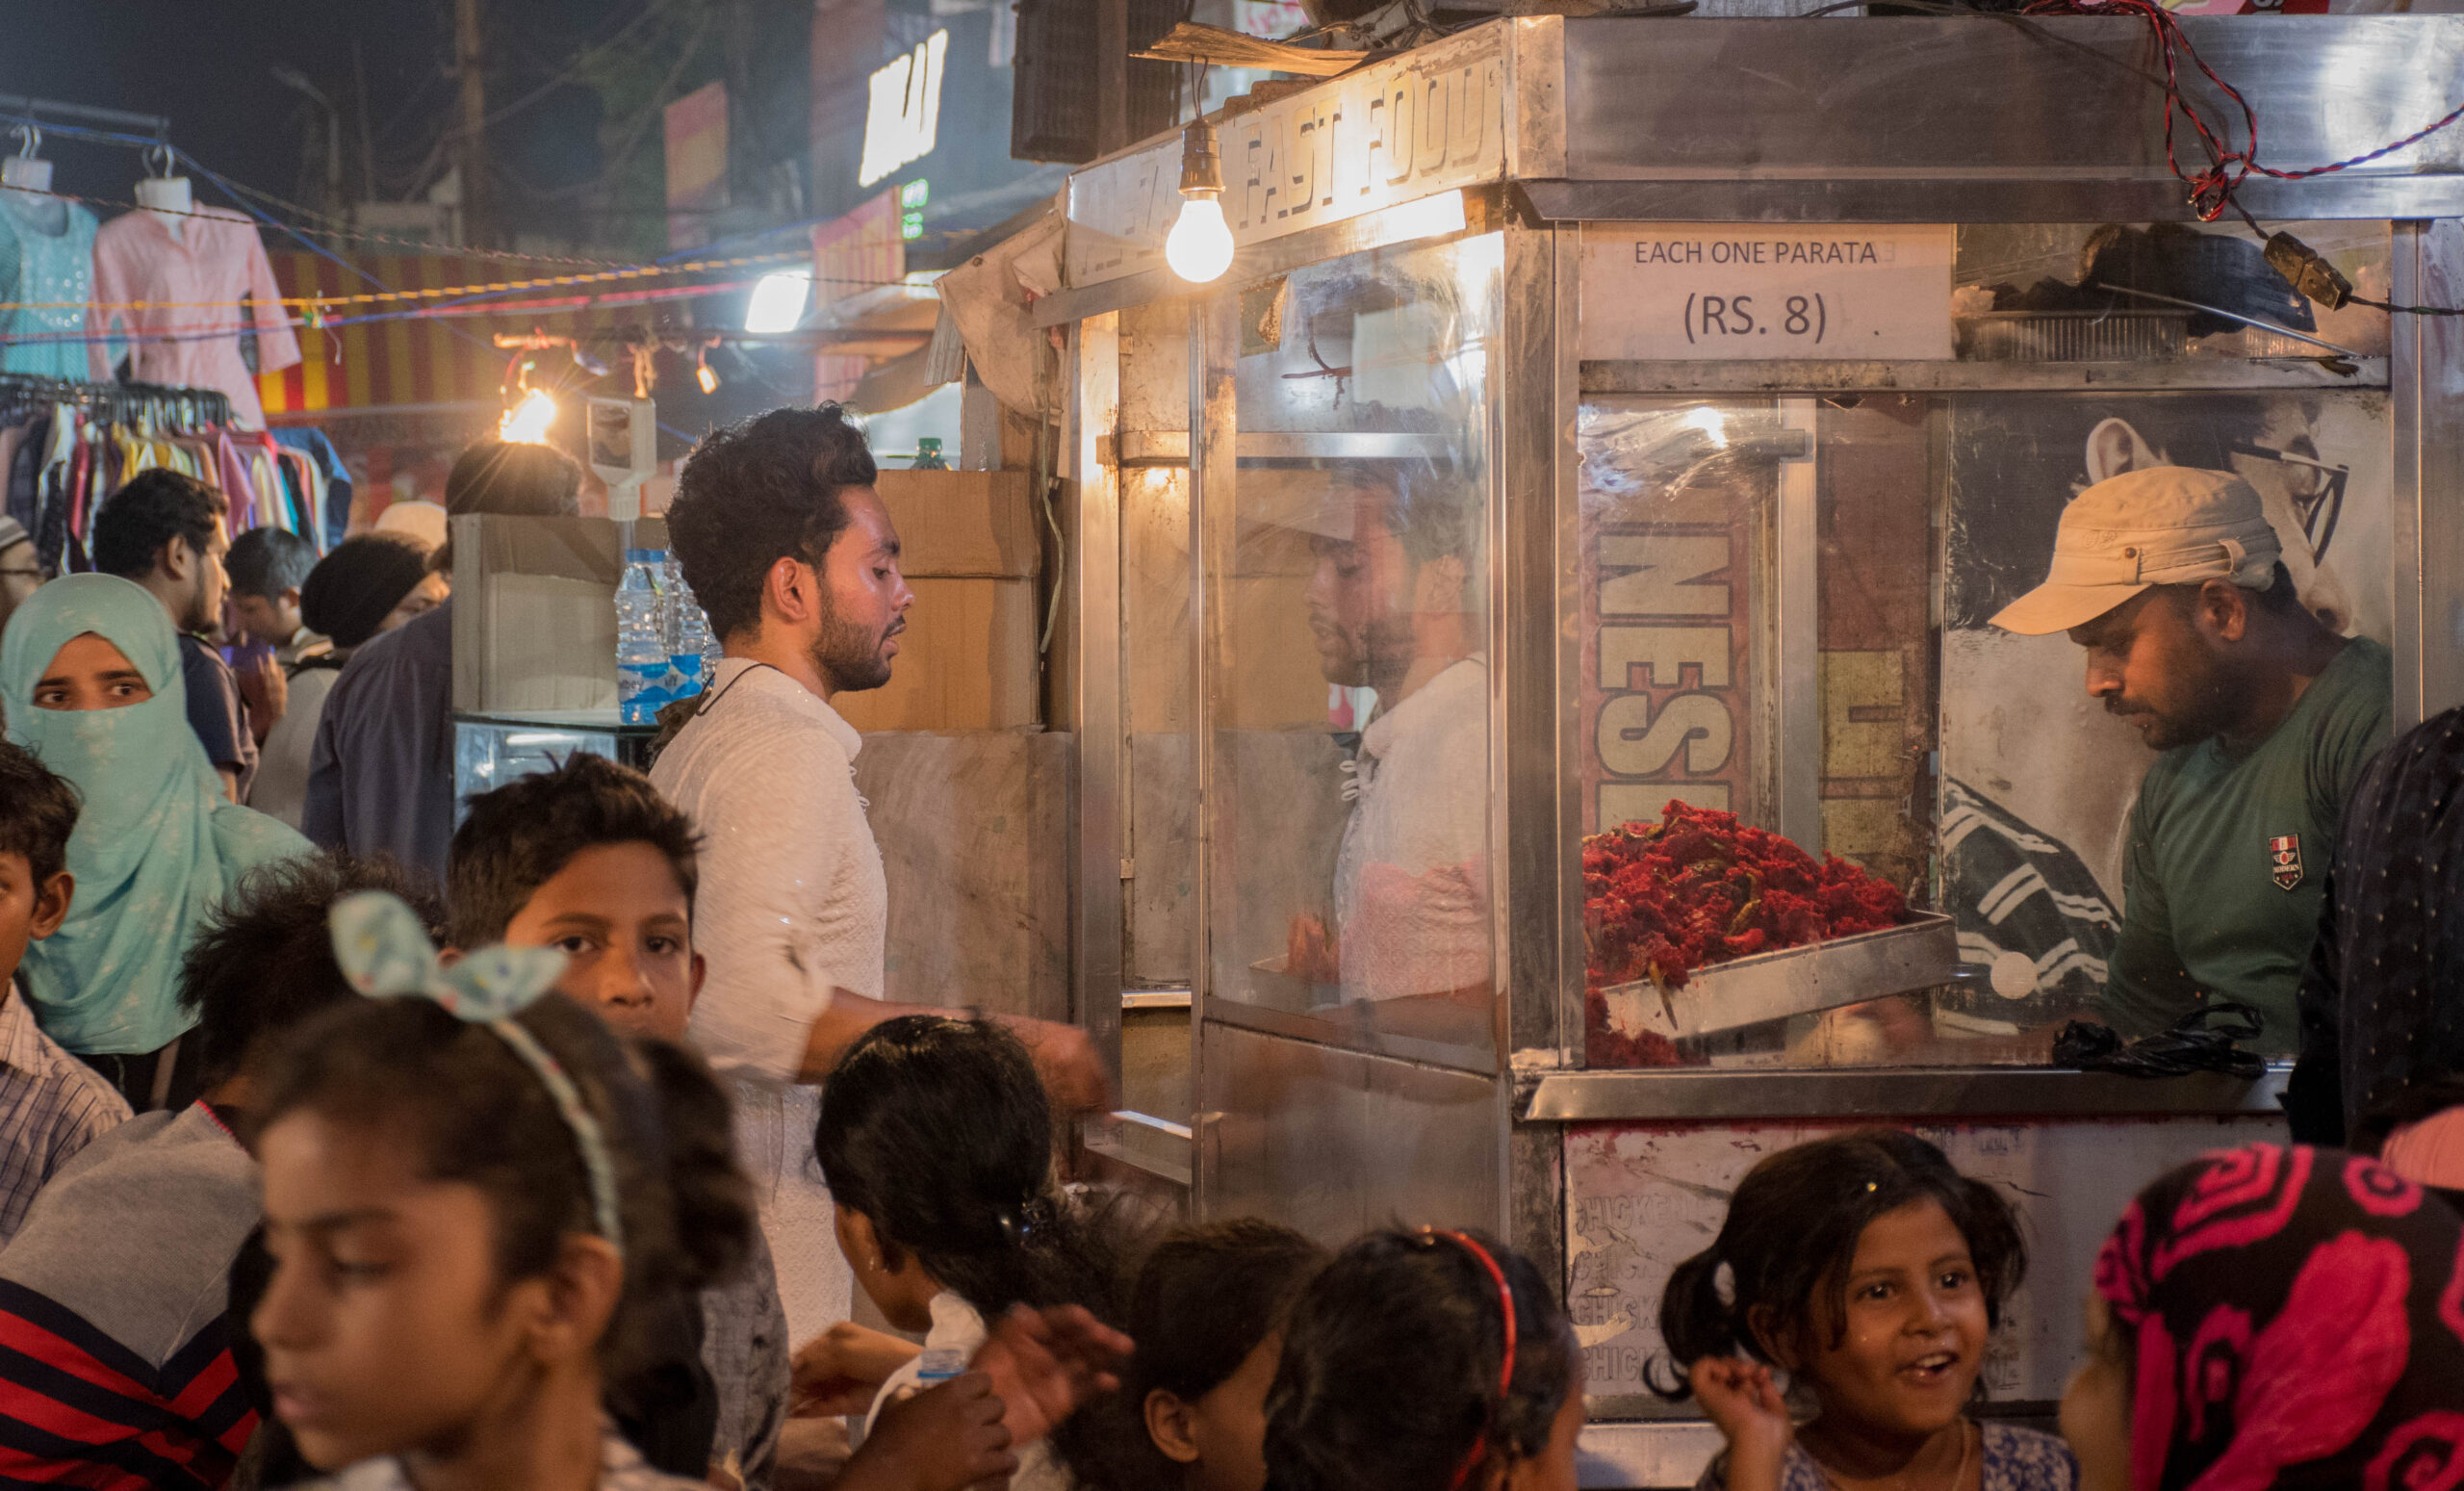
(1199, 247)
(702, 374)
(526, 423)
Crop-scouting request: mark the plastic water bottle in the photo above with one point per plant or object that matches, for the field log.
(689, 645)
(641, 651)
(938, 1366)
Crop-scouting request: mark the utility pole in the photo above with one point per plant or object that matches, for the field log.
(367, 139)
(471, 153)
(1112, 75)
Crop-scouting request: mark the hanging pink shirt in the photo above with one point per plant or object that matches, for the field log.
(203, 275)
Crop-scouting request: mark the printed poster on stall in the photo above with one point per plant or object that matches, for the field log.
(1668, 606)
(2036, 780)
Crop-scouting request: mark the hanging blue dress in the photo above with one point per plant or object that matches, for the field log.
(46, 258)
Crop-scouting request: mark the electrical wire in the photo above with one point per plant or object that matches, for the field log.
(2212, 188)
(570, 70)
(2201, 1040)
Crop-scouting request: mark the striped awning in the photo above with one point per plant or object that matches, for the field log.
(375, 356)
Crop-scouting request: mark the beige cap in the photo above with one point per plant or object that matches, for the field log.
(2165, 525)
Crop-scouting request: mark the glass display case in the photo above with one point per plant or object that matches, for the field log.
(1616, 439)
(491, 750)
(1350, 657)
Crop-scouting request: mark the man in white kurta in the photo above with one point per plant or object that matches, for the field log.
(788, 549)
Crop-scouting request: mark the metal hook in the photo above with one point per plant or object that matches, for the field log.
(29, 141)
(160, 159)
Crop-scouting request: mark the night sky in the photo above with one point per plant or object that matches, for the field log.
(209, 66)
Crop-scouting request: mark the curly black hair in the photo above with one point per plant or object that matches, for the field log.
(759, 491)
(264, 960)
(156, 505)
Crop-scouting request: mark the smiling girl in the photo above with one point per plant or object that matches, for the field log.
(1873, 1273)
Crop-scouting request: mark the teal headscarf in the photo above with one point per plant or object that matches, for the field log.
(157, 844)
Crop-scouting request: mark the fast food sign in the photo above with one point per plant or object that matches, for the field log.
(1386, 134)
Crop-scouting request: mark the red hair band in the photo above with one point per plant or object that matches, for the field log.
(1505, 1374)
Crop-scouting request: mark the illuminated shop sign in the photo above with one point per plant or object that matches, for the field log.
(905, 111)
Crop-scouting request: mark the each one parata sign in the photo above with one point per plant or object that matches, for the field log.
(1391, 133)
(1696, 291)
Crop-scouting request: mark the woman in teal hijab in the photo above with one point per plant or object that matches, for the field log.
(157, 844)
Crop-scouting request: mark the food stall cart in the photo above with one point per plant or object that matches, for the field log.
(1607, 411)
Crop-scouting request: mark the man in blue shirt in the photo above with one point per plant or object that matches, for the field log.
(381, 777)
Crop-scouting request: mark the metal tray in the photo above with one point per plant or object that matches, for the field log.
(1920, 953)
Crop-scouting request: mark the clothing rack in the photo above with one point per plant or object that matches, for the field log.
(66, 446)
(177, 408)
(43, 111)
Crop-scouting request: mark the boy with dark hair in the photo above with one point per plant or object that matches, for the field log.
(590, 858)
(117, 1343)
(51, 1104)
(165, 531)
(269, 567)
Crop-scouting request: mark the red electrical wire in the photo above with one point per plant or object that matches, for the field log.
(2211, 189)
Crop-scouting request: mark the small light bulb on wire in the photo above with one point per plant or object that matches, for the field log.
(526, 423)
(1199, 247)
(702, 374)
(778, 304)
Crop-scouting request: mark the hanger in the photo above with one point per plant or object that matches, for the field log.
(27, 171)
(164, 195)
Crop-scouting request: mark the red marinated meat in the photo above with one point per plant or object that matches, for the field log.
(1664, 899)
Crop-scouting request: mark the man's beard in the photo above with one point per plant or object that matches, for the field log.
(849, 657)
(2205, 713)
(1375, 655)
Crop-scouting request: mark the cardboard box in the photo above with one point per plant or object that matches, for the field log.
(964, 525)
(534, 614)
(966, 661)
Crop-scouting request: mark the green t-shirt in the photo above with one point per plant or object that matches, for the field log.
(2212, 897)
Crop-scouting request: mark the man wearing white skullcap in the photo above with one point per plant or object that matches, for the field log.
(2170, 578)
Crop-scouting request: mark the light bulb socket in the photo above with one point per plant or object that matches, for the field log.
(1202, 164)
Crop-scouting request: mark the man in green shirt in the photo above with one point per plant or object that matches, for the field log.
(2171, 580)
